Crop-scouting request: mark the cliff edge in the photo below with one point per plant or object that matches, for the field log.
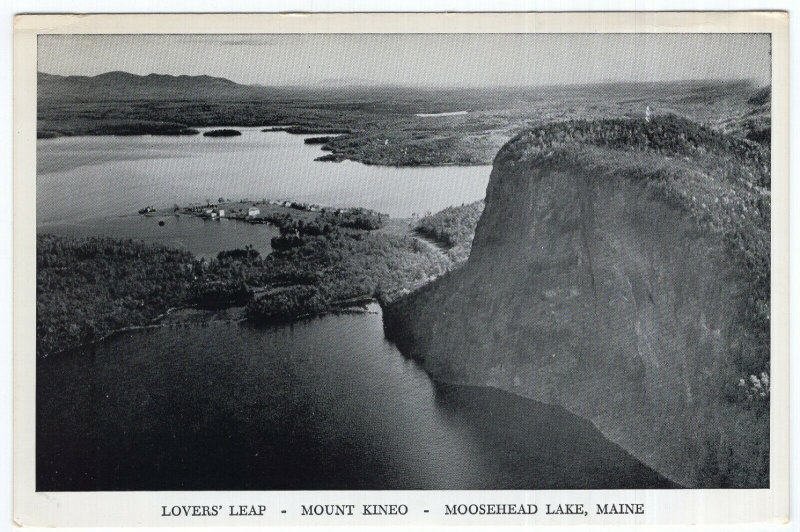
(620, 269)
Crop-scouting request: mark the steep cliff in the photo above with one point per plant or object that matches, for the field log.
(620, 269)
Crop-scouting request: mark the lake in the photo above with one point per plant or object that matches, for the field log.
(326, 403)
(88, 177)
(89, 186)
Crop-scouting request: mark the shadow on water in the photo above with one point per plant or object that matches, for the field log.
(541, 446)
(326, 403)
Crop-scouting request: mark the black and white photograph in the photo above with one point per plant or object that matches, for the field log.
(343, 262)
(322, 262)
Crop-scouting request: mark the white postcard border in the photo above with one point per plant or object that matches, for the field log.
(144, 508)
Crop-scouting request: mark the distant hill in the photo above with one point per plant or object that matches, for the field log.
(119, 86)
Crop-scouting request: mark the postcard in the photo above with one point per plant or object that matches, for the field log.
(444, 269)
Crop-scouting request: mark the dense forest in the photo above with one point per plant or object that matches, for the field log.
(89, 288)
(453, 228)
(327, 220)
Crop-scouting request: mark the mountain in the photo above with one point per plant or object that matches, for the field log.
(124, 86)
(620, 269)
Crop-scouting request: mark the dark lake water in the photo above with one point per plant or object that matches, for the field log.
(322, 404)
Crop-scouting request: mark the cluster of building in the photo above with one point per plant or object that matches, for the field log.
(311, 207)
(212, 211)
(295, 205)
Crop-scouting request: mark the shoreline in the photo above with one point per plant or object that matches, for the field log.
(424, 261)
(329, 154)
(355, 306)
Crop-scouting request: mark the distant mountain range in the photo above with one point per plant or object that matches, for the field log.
(116, 86)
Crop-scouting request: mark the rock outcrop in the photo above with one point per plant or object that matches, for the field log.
(620, 269)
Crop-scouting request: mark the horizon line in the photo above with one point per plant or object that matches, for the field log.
(367, 83)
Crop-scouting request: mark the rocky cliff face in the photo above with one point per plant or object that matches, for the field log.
(620, 269)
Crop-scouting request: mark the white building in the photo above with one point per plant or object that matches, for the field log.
(253, 211)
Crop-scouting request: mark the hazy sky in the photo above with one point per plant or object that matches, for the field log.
(416, 59)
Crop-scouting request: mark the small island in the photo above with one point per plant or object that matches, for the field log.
(222, 133)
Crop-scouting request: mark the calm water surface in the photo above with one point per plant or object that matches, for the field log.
(90, 186)
(204, 238)
(88, 177)
(322, 404)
